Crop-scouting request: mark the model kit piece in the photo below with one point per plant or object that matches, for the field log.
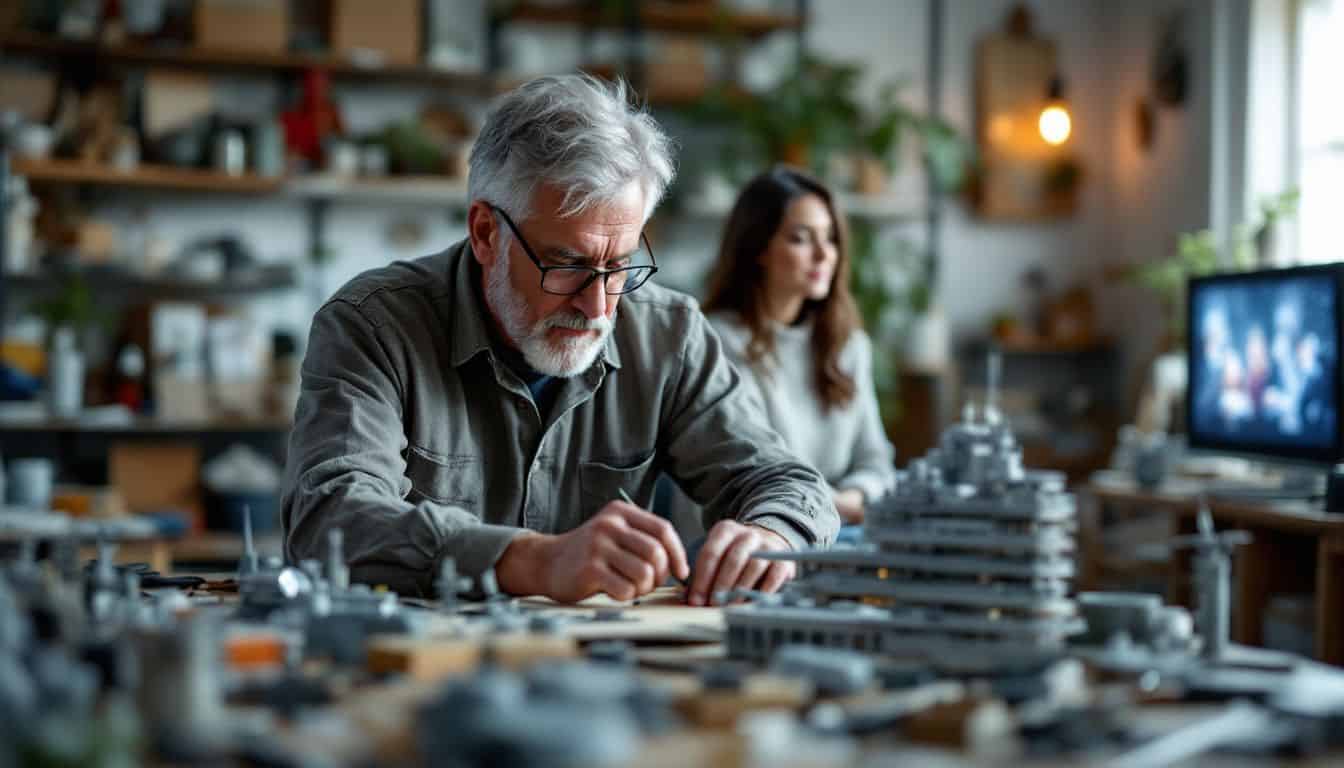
(449, 585)
(338, 573)
(1137, 619)
(560, 715)
(180, 694)
(833, 672)
(1233, 725)
(249, 563)
(1213, 580)
(618, 652)
(546, 623)
(967, 563)
(272, 587)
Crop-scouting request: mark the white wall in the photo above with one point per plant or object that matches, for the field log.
(1133, 202)
(1152, 195)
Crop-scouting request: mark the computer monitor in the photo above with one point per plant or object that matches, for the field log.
(1264, 363)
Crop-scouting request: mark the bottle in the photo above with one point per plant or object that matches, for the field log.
(65, 375)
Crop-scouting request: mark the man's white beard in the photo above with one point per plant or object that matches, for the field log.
(565, 357)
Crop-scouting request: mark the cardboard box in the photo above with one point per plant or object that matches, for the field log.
(387, 29)
(157, 476)
(244, 26)
(174, 100)
(30, 93)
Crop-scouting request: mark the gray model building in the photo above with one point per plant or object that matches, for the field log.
(967, 563)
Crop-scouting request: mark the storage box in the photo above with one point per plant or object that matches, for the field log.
(384, 31)
(29, 93)
(244, 26)
(154, 477)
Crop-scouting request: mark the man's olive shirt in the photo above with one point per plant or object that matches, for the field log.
(414, 438)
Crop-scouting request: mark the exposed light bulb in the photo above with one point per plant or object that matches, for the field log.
(1055, 125)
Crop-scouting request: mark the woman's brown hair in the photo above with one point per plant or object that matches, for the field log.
(738, 279)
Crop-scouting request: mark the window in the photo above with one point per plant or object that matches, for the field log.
(1320, 130)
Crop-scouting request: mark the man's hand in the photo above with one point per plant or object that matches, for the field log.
(623, 551)
(725, 561)
(849, 503)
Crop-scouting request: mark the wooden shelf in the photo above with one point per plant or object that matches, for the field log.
(19, 43)
(414, 190)
(889, 208)
(1044, 346)
(141, 425)
(681, 18)
(145, 177)
(264, 278)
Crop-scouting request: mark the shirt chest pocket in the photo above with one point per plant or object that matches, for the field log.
(602, 480)
(445, 479)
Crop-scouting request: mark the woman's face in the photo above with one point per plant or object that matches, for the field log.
(801, 257)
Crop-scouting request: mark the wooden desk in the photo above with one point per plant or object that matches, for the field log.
(1296, 549)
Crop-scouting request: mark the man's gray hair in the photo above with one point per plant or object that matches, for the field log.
(576, 133)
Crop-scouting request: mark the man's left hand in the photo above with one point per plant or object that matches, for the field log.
(725, 562)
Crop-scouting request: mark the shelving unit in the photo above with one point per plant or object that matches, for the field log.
(265, 278)
(1061, 371)
(164, 177)
(142, 425)
(417, 190)
(636, 19)
(890, 209)
(679, 18)
(129, 54)
(1043, 346)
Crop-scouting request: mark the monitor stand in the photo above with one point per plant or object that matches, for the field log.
(1293, 485)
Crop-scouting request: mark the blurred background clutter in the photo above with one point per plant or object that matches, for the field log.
(186, 181)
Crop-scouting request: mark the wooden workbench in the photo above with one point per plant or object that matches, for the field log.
(1297, 548)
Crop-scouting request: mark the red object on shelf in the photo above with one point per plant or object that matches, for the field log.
(130, 394)
(315, 118)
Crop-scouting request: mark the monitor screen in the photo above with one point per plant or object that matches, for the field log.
(1264, 363)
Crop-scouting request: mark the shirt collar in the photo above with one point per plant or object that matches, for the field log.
(471, 334)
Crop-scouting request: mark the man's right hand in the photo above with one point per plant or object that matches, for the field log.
(623, 551)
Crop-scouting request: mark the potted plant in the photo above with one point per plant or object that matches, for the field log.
(800, 121)
(816, 113)
(880, 132)
(1197, 254)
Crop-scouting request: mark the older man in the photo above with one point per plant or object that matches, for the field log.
(491, 405)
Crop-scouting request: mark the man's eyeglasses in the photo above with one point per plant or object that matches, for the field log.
(567, 280)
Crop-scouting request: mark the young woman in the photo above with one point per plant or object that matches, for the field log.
(779, 297)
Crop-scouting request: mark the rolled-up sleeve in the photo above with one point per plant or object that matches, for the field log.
(725, 456)
(346, 468)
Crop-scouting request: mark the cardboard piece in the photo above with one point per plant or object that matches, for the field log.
(425, 659)
(386, 30)
(173, 100)
(157, 476)
(30, 93)
(660, 616)
(244, 26)
(522, 650)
